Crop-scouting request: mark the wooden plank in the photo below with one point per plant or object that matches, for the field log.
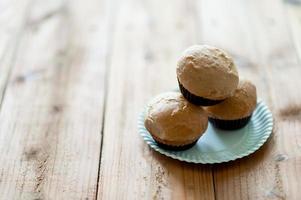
(147, 42)
(293, 11)
(12, 14)
(290, 112)
(51, 118)
(256, 33)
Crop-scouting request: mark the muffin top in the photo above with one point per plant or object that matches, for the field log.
(173, 119)
(240, 105)
(207, 72)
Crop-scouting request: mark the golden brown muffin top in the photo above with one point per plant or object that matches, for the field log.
(171, 118)
(207, 72)
(240, 105)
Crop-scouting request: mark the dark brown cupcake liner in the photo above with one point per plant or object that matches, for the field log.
(229, 124)
(174, 147)
(196, 100)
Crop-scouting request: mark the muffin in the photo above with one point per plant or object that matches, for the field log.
(206, 75)
(174, 123)
(236, 111)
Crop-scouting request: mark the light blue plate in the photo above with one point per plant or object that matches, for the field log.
(217, 146)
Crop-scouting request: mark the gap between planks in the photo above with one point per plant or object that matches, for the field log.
(109, 48)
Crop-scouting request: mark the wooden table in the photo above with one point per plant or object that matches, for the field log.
(75, 74)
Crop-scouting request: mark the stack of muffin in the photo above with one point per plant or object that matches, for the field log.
(210, 90)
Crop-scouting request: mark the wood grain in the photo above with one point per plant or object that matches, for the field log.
(293, 13)
(12, 14)
(147, 42)
(51, 117)
(256, 33)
